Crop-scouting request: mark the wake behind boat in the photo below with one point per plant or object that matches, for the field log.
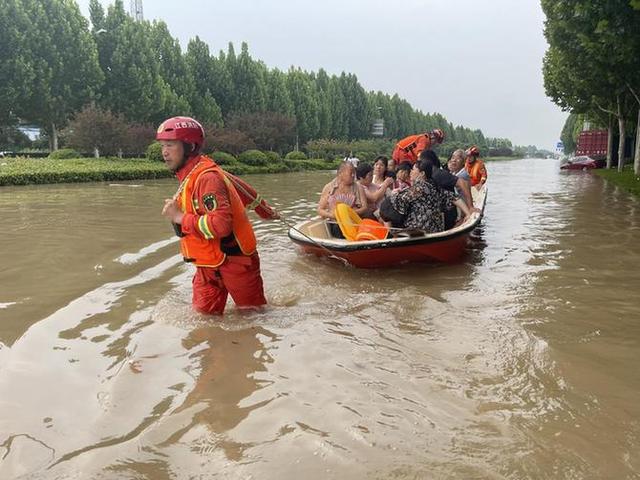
(402, 246)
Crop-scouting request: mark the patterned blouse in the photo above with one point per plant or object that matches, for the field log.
(423, 203)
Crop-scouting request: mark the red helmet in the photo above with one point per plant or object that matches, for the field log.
(185, 129)
(437, 135)
(472, 151)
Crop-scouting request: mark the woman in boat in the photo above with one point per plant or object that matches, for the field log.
(380, 172)
(342, 189)
(421, 206)
(374, 193)
(391, 168)
(403, 172)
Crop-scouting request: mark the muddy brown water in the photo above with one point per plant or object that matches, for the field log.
(522, 361)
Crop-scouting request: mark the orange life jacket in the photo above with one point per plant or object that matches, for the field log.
(409, 143)
(207, 253)
(409, 148)
(476, 171)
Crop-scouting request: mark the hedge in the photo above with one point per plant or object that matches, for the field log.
(64, 154)
(274, 157)
(27, 171)
(24, 171)
(295, 156)
(154, 152)
(253, 157)
(311, 164)
(224, 158)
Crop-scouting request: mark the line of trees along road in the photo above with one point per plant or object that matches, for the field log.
(592, 65)
(55, 64)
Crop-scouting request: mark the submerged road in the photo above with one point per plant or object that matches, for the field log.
(520, 362)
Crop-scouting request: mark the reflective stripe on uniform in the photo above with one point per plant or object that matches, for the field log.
(203, 226)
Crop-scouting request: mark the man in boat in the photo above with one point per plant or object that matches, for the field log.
(456, 164)
(408, 149)
(208, 213)
(475, 167)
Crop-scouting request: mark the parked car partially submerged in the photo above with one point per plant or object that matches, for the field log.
(582, 162)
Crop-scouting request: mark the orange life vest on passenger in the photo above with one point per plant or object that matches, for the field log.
(207, 253)
(476, 170)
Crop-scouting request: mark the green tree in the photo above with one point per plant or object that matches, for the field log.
(60, 58)
(358, 113)
(201, 70)
(338, 109)
(17, 73)
(246, 75)
(278, 98)
(133, 84)
(567, 135)
(593, 60)
(174, 72)
(325, 119)
(305, 104)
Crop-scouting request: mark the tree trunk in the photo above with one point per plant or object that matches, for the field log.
(54, 137)
(610, 143)
(622, 137)
(636, 156)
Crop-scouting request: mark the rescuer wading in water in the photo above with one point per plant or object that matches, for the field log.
(208, 213)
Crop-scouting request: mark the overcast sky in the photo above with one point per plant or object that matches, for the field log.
(477, 62)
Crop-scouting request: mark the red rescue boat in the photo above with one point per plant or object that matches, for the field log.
(313, 237)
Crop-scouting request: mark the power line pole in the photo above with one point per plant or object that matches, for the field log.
(136, 10)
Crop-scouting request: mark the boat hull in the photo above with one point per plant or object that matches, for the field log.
(313, 237)
(446, 251)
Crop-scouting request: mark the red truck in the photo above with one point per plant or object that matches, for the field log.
(592, 143)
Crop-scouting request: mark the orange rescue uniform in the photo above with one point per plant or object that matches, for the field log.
(476, 170)
(408, 149)
(218, 237)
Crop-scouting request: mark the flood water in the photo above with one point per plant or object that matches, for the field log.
(520, 362)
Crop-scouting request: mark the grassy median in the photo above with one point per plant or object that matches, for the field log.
(30, 171)
(627, 179)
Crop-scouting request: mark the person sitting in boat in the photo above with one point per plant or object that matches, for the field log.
(408, 149)
(374, 193)
(403, 172)
(420, 206)
(475, 167)
(391, 168)
(342, 189)
(456, 165)
(380, 172)
(447, 181)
